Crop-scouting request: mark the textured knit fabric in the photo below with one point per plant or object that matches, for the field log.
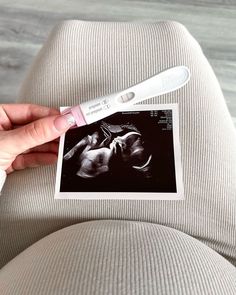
(118, 258)
(83, 60)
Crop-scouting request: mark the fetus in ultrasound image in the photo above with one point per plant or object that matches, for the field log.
(116, 154)
(110, 148)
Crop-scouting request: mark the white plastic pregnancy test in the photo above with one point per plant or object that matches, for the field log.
(101, 107)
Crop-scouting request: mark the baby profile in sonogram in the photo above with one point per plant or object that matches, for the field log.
(111, 149)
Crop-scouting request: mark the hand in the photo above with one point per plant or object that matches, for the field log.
(27, 135)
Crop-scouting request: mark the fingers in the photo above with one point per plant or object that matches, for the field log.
(50, 147)
(19, 114)
(32, 160)
(37, 133)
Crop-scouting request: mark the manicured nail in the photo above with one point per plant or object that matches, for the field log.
(64, 122)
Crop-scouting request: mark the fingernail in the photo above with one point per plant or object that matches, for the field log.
(64, 122)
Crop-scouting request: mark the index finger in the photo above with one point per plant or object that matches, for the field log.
(26, 113)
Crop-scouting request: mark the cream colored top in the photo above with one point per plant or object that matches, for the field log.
(3, 177)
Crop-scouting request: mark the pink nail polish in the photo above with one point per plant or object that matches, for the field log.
(64, 122)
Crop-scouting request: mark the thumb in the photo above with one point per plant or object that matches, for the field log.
(38, 132)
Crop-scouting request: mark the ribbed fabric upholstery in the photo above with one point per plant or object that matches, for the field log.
(134, 258)
(82, 60)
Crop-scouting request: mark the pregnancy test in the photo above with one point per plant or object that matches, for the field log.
(102, 107)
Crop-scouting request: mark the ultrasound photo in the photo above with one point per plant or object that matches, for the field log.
(134, 154)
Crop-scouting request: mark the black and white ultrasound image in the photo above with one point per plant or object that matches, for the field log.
(125, 152)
